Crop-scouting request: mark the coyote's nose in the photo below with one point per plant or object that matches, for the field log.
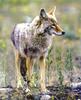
(63, 33)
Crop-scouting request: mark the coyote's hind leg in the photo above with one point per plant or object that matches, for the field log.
(18, 74)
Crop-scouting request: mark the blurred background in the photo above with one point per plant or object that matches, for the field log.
(64, 58)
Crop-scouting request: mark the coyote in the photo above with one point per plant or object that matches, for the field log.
(32, 42)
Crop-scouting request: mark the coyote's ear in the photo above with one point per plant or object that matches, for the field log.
(52, 11)
(43, 14)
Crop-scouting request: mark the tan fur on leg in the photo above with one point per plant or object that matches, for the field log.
(18, 75)
(29, 65)
(42, 74)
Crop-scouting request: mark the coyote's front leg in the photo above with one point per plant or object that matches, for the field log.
(29, 65)
(18, 74)
(42, 74)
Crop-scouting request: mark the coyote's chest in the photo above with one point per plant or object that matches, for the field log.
(37, 45)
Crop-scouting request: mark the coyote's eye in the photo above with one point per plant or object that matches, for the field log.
(53, 24)
(48, 29)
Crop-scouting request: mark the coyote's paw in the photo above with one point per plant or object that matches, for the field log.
(45, 91)
(32, 84)
(19, 84)
(27, 90)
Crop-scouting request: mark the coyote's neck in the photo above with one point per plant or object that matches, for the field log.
(38, 38)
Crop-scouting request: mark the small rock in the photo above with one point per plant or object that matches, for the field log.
(37, 97)
(74, 85)
(45, 97)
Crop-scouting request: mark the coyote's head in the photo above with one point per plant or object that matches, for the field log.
(47, 23)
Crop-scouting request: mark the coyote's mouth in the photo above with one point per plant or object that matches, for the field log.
(59, 33)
